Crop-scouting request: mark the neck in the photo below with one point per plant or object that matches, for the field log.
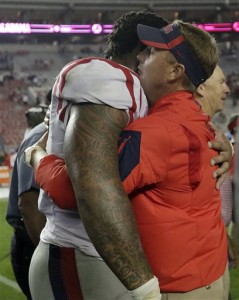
(162, 92)
(204, 107)
(124, 61)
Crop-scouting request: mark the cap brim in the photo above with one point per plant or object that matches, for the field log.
(151, 36)
(170, 38)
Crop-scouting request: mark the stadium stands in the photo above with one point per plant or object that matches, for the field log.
(29, 63)
(26, 84)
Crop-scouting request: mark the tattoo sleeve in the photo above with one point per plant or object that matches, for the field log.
(92, 161)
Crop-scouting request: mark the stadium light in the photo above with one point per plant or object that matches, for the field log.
(28, 28)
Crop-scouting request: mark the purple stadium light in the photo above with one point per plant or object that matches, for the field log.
(27, 28)
(236, 26)
(15, 28)
(96, 28)
(57, 28)
(107, 28)
(218, 27)
(75, 29)
(42, 28)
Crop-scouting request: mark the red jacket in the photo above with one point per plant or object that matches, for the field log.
(165, 168)
(173, 194)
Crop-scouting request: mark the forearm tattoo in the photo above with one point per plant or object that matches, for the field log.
(92, 162)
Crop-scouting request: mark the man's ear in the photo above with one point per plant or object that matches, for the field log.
(178, 71)
(200, 89)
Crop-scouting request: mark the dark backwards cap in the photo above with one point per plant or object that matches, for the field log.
(170, 38)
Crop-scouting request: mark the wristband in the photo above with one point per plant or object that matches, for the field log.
(148, 291)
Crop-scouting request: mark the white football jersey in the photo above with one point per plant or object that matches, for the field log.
(94, 80)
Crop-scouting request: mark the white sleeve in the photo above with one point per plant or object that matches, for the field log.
(101, 81)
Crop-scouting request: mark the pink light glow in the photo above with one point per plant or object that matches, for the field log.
(27, 28)
(40, 25)
(65, 29)
(236, 26)
(57, 28)
(87, 26)
(15, 28)
(108, 26)
(96, 28)
(218, 27)
(41, 30)
(107, 30)
(75, 28)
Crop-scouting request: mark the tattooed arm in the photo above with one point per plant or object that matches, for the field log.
(91, 157)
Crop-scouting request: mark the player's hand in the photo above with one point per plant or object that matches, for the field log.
(36, 152)
(42, 141)
(223, 160)
(47, 119)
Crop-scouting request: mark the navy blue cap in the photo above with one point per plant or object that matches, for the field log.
(170, 38)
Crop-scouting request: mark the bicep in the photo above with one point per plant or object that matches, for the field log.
(91, 141)
(91, 153)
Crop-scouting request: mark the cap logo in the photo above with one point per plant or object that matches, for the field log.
(167, 29)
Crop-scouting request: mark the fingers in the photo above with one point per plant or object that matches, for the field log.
(221, 173)
(43, 140)
(45, 136)
(46, 125)
(47, 119)
(224, 148)
(220, 146)
(219, 134)
(213, 127)
(220, 180)
(221, 143)
(223, 160)
(223, 157)
(222, 170)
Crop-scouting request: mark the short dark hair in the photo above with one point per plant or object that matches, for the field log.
(35, 115)
(124, 38)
